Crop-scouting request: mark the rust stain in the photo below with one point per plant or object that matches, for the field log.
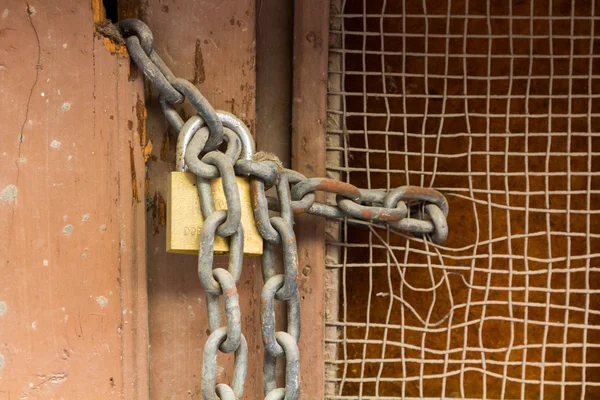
(133, 174)
(342, 188)
(147, 189)
(113, 41)
(133, 72)
(98, 10)
(164, 148)
(199, 73)
(232, 291)
(141, 114)
(232, 102)
(159, 213)
(147, 151)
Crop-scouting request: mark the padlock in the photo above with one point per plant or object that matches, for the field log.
(184, 218)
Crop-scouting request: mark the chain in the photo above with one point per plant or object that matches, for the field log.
(420, 211)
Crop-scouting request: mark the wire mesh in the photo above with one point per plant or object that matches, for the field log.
(496, 104)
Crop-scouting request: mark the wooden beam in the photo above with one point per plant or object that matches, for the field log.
(73, 305)
(311, 30)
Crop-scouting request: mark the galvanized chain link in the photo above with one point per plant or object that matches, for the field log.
(420, 211)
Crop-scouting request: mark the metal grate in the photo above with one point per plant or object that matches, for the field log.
(496, 104)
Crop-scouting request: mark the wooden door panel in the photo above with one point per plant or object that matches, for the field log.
(72, 260)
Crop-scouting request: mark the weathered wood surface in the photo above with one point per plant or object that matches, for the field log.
(311, 32)
(211, 43)
(72, 259)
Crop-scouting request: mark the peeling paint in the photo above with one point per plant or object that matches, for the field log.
(199, 73)
(9, 193)
(141, 115)
(147, 151)
(102, 301)
(133, 174)
(68, 229)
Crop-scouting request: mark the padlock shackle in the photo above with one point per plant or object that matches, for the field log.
(196, 122)
(241, 130)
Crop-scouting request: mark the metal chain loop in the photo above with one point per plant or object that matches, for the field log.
(209, 366)
(232, 310)
(420, 211)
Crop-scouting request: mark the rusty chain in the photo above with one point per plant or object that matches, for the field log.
(416, 210)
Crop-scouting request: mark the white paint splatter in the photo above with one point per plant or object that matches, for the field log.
(45, 263)
(9, 193)
(70, 157)
(65, 45)
(66, 106)
(68, 229)
(5, 13)
(84, 256)
(1, 361)
(85, 218)
(31, 10)
(103, 301)
(66, 318)
(63, 309)
(3, 308)
(34, 325)
(55, 144)
(22, 160)
(102, 227)
(42, 94)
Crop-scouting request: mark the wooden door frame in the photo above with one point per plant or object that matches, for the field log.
(309, 121)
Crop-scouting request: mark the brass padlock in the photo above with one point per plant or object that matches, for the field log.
(184, 218)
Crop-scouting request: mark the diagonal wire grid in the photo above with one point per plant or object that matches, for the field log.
(497, 105)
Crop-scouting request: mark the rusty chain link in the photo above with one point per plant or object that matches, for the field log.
(416, 210)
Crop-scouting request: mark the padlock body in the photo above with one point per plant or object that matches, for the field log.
(184, 218)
